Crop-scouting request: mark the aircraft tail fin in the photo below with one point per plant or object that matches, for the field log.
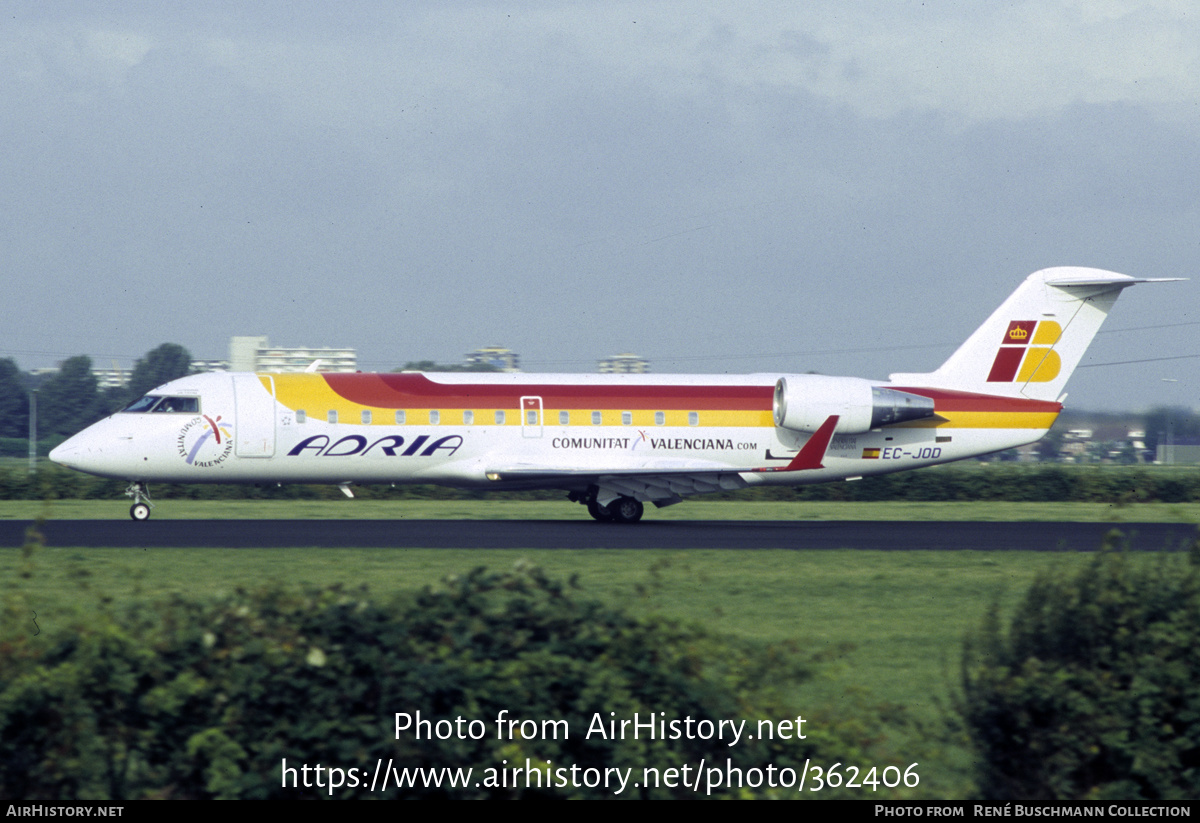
(1031, 344)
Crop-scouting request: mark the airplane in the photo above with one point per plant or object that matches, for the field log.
(612, 442)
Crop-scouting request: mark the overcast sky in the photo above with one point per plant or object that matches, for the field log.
(845, 187)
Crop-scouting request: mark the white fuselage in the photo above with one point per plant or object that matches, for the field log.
(612, 441)
(250, 429)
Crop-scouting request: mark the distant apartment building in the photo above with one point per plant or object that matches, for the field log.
(257, 354)
(118, 378)
(1178, 451)
(624, 364)
(114, 378)
(495, 356)
(202, 366)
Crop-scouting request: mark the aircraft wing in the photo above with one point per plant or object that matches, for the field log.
(659, 485)
(666, 482)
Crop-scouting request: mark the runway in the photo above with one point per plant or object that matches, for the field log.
(574, 534)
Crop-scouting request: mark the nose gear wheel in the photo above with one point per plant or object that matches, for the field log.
(140, 510)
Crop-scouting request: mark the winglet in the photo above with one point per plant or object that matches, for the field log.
(813, 452)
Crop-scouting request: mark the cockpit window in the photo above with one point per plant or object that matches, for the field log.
(160, 403)
(142, 404)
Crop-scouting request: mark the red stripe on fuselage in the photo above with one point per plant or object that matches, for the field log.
(398, 391)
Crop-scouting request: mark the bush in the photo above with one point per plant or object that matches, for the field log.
(1091, 693)
(1106, 484)
(206, 699)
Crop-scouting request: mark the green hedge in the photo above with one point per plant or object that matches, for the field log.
(188, 699)
(1023, 483)
(1091, 691)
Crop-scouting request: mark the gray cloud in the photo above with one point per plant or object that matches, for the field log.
(766, 186)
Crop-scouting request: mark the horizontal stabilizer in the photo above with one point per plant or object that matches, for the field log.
(1114, 280)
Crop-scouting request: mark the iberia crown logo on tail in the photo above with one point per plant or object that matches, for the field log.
(1026, 353)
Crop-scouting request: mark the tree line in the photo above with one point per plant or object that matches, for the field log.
(72, 399)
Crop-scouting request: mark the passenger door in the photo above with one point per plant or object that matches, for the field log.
(254, 415)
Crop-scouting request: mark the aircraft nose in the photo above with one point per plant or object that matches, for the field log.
(88, 451)
(69, 453)
(101, 449)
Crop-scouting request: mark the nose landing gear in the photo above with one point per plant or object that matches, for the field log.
(140, 510)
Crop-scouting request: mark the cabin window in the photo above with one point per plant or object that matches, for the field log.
(660, 418)
(435, 417)
(332, 416)
(399, 417)
(693, 418)
(468, 417)
(301, 415)
(596, 418)
(499, 417)
(366, 417)
(531, 417)
(564, 418)
(626, 418)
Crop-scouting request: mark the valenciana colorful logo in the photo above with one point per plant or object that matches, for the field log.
(1026, 353)
(204, 441)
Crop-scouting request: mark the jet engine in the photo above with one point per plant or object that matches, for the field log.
(804, 401)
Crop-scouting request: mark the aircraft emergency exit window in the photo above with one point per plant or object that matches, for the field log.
(468, 417)
(434, 417)
(366, 417)
(332, 416)
(301, 415)
(626, 418)
(399, 417)
(693, 418)
(499, 417)
(660, 418)
(596, 418)
(564, 418)
(531, 417)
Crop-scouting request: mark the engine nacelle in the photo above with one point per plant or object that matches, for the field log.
(804, 401)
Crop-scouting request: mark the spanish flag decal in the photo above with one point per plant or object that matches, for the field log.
(870, 454)
(1026, 353)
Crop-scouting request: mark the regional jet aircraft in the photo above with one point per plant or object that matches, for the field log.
(611, 442)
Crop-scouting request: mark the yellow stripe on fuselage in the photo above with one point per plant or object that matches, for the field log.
(314, 396)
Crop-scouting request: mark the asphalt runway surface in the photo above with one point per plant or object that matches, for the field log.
(574, 534)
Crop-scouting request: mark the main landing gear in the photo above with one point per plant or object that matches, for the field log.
(140, 510)
(621, 510)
